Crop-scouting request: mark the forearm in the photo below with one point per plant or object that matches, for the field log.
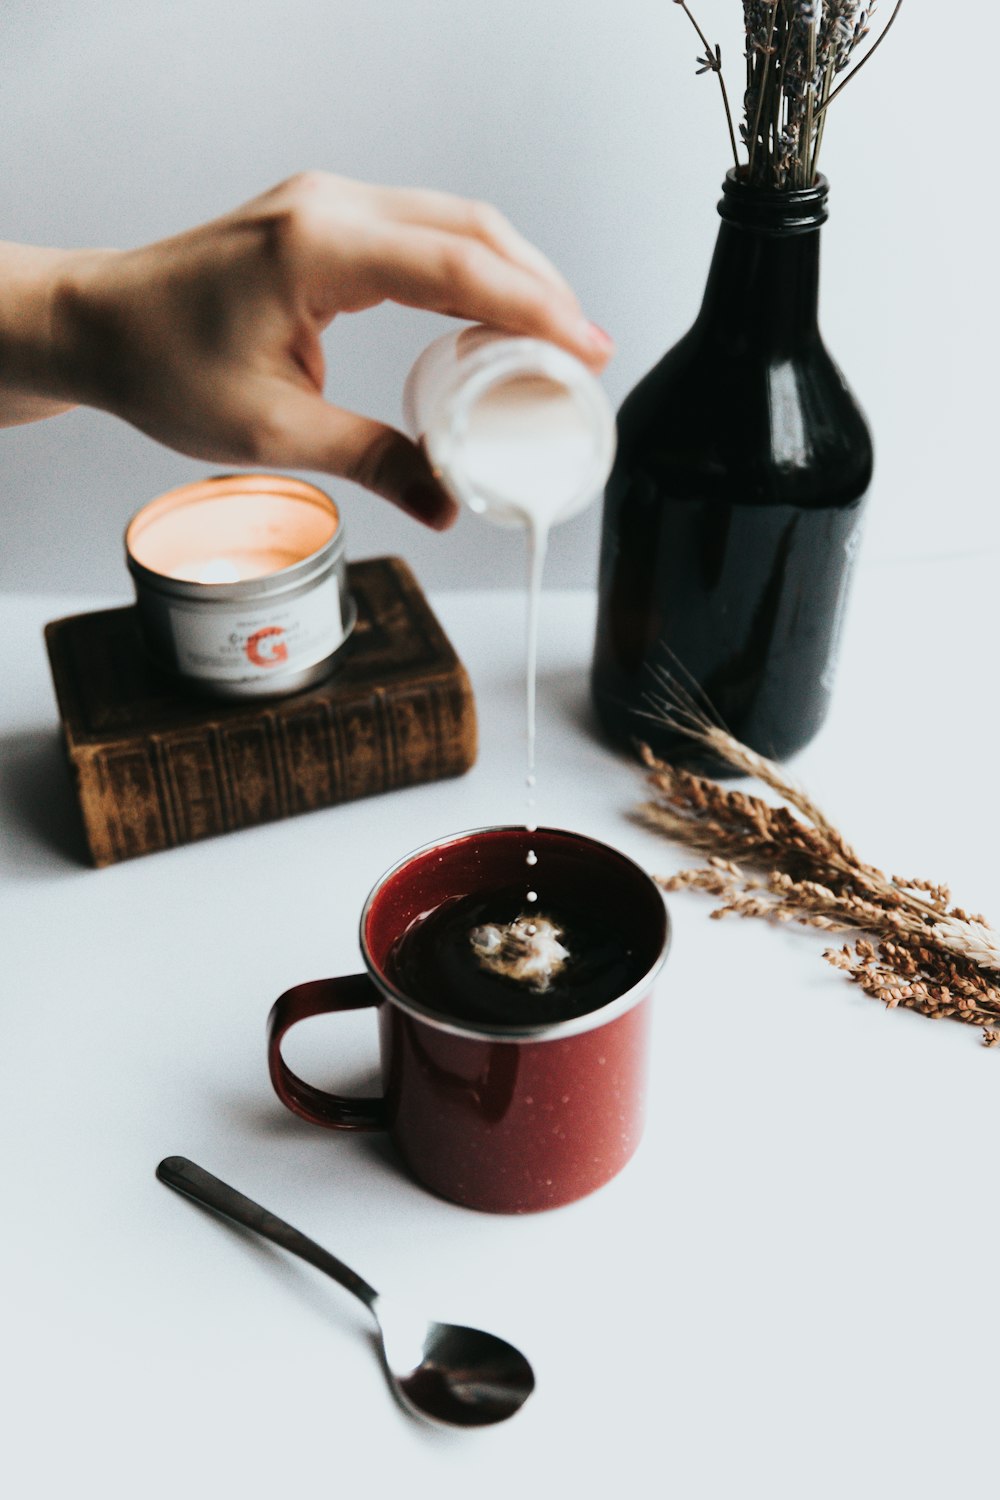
(34, 353)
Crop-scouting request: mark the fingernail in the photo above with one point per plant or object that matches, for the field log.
(601, 341)
(431, 504)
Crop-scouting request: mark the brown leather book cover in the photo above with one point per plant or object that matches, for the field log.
(155, 766)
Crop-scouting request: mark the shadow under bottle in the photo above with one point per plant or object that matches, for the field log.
(731, 516)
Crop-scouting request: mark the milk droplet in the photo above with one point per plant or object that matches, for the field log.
(532, 895)
(531, 858)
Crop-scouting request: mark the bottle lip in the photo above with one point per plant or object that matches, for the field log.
(777, 211)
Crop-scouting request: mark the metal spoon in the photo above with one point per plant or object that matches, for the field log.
(442, 1372)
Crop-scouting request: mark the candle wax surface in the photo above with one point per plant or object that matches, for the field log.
(226, 537)
(234, 567)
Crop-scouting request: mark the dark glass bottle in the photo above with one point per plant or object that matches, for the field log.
(731, 515)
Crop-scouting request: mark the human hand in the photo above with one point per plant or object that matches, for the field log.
(210, 341)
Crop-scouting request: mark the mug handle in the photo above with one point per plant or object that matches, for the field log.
(320, 997)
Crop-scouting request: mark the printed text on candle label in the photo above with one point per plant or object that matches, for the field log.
(239, 642)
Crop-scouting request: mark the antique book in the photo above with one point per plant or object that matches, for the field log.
(155, 766)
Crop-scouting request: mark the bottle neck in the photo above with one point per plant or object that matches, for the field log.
(763, 285)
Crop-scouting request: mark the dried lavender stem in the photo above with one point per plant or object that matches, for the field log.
(762, 89)
(807, 133)
(821, 113)
(794, 51)
(868, 55)
(709, 51)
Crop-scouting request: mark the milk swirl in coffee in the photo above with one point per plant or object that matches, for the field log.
(522, 434)
(449, 960)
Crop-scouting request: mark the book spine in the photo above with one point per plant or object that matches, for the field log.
(163, 790)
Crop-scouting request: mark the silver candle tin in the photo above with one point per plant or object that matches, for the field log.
(261, 636)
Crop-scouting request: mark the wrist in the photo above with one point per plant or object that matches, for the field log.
(28, 280)
(47, 304)
(76, 315)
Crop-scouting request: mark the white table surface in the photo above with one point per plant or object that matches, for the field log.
(791, 1290)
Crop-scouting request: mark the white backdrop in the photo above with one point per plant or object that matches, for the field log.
(582, 119)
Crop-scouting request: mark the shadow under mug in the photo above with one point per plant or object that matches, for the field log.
(509, 1119)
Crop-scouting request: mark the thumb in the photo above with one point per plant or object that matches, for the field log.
(312, 434)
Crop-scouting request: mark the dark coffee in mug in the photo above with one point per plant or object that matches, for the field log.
(495, 958)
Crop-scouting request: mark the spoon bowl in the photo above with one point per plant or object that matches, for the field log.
(450, 1374)
(442, 1372)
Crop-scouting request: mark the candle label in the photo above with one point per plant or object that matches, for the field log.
(246, 640)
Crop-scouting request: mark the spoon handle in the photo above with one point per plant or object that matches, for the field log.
(183, 1175)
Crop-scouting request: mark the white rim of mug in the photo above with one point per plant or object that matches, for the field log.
(545, 1031)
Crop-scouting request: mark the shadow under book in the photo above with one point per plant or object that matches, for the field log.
(155, 766)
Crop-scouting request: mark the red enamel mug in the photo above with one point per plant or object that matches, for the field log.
(509, 1119)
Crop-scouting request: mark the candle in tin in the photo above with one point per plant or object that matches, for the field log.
(240, 583)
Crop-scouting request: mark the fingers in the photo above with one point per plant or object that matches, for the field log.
(455, 274)
(309, 433)
(363, 244)
(476, 220)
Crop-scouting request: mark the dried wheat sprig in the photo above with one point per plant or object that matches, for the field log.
(919, 987)
(817, 905)
(675, 707)
(776, 835)
(932, 957)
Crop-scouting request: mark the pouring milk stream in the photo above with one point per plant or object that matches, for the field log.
(521, 433)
